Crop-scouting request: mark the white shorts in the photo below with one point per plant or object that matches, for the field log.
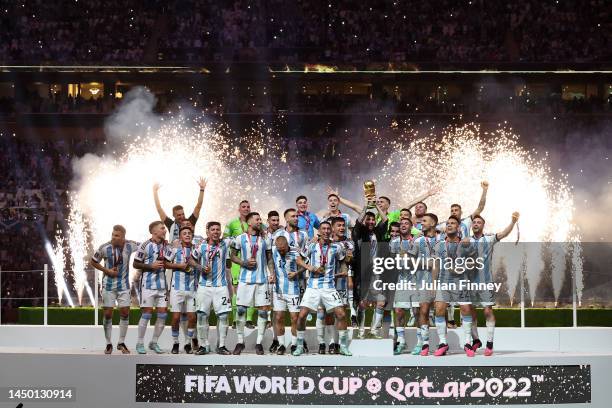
(282, 302)
(343, 296)
(182, 301)
(253, 294)
(216, 297)
(327, 298)
(154, 298)
(120, 298)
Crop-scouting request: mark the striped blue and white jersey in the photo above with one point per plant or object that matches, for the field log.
(403, 247)
(348, 246)
(282, 266)
(119, 257)
(297, 240)
(452, 255)
(216, 256)
(465, 227)
(484, 249)
(345, 216)
(181, 280)
(327, 255)
(253, 246)
(147, 253)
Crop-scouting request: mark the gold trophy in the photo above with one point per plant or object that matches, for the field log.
(369, 191)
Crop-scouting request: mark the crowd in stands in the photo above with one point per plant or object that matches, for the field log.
(336, 31)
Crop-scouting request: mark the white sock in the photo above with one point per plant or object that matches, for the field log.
(474, 329)
(202, 328)
(466, 322)
(261, 325)
(378, 315)
(184, 327)
(424, 334)
(490, 330)
(142, 326)
(240, 323)
(160, 323)
(293, 340)
(343, 335)
(300, 338)
(175, 336)
(351, 302)
(450, 312)
(222, 327)
(400, 335)
(320, 324)
(123, 328)
(362, 316)
(331, 329)
(419, 336)
(108, 329)
(441, 328)
(281, 339)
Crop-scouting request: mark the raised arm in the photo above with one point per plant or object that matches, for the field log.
(504, 233)
(344, 201)
(483, 199)
(422, 197)
(196, 210)
(158, 207)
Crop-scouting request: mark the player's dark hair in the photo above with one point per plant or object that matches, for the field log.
(420, 202)
(336, 220)
(406, 219)
(454, 217)
(432, 216)
(243, 201)
(455, 205)
(176, 208)
(288, 210)
(407, 210)
(333, 195)
(301, 197)
(325, 222)
(154, 224)
(119, 228)
(212, 224)
(273, 213)
(370, 214)
(185, 228)
(479, 216)
(394, 224)
(385, 198)
(251, 215)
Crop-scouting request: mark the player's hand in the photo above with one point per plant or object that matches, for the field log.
(331, 190)
(515, 216)
(465, 242)
(206, 270)
(113, 272)
(202, 183)
(292, 275)
(271, 278)
(251, 263)
(434, 191)
(484, 184)
(156, 187)
(183, 266)
(157, 265)
(341, 274)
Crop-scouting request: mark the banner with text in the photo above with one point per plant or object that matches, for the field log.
(346, 385)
